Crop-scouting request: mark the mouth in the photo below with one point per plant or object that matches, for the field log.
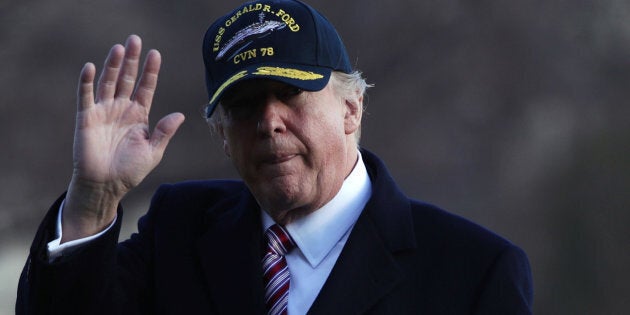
(277, 158)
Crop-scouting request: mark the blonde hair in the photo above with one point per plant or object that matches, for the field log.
(351, 87)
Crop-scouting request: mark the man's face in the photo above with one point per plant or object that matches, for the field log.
(292, 148)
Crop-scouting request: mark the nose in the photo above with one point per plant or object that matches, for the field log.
(272, 115)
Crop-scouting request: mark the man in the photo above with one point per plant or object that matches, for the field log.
(317, 225)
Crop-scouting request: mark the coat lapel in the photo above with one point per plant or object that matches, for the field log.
(367, 269)
(363, 274)
(230, 253)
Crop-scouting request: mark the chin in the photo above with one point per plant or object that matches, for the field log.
(284, 217)
(282, 199)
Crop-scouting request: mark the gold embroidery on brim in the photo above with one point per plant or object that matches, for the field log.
(225, 84)
(288, 73)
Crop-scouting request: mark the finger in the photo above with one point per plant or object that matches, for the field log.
(85, 90)
(148, 80)
(107, 81)
(164, 132)
(129, 70)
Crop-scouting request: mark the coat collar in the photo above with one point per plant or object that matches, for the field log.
(367, 269)
(233, 273)
(389, 208)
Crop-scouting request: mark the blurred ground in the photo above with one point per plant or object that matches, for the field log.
(513, 114)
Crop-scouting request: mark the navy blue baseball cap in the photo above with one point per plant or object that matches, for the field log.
(283, 40)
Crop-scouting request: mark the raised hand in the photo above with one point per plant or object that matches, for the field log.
(114, 149)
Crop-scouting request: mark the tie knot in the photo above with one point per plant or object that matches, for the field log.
(278, 240)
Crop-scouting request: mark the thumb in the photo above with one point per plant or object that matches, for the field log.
(164, 131)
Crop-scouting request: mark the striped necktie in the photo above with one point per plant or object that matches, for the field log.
(275, 270)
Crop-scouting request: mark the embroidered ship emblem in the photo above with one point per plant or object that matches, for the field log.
(247, 35)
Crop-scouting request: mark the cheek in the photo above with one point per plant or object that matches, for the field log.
(330, 127)
(235, 139)
(326, 141)
(234, 146)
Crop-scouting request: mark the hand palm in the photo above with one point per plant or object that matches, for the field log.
(113, 144)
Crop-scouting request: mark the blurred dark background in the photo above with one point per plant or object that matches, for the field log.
(511, 113)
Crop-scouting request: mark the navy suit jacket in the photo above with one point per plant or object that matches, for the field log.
(198, 250)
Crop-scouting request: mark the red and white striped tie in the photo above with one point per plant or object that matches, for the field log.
(275, 271)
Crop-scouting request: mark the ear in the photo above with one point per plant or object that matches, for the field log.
(354, 112)
(226, 145)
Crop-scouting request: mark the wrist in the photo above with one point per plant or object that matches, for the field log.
(88, 209)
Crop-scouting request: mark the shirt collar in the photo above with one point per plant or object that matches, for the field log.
(318, 232)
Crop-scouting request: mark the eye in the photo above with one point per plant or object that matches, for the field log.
(240, 108)
(288, 92)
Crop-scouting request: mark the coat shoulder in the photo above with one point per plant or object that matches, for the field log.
(454, 234)
(186, 207)
(199, 194)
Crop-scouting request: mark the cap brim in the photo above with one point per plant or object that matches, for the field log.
(307, 78)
